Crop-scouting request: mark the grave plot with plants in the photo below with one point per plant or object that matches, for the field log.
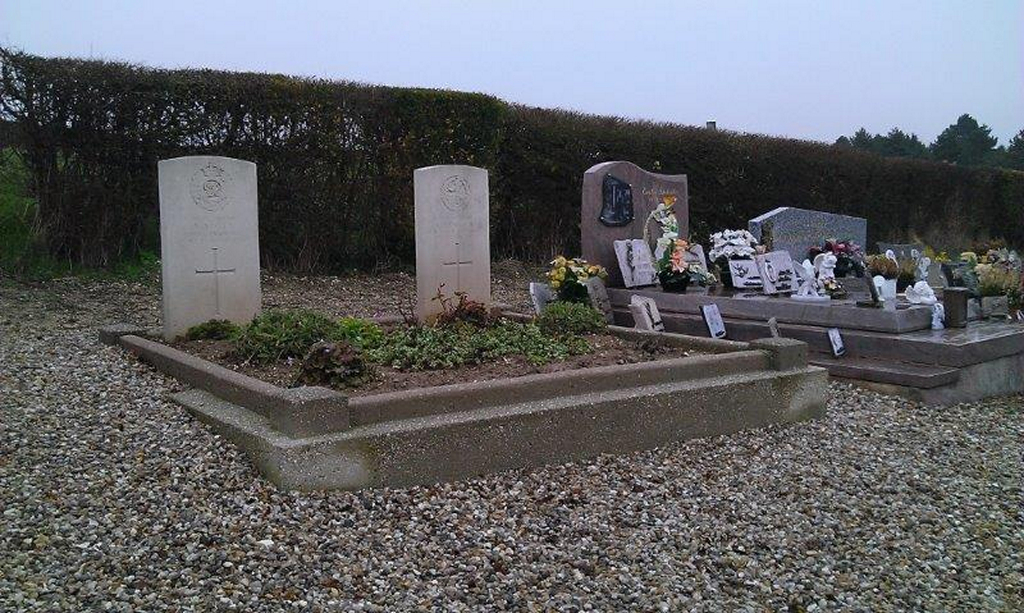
(467, 342)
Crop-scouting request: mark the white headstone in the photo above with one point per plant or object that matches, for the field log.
(209, 241)
(636, 263)
(453, 245)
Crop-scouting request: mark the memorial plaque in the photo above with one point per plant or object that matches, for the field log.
(541, 295)
(616, 202)
(636, 264)
(209, 241)
(777, 273)
(645, 314)
(745, 274)
(599, 298)
(646, 189)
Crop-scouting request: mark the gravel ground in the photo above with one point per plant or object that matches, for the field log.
(114, 499)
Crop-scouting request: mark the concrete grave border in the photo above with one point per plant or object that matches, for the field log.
(311, 438)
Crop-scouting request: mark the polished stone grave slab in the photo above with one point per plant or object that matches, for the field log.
(843, 314)
(934, 366)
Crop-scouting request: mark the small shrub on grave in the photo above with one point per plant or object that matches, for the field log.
(570, 319)
(213, 330)
(334, 364)
(463, 309)
(279, 334)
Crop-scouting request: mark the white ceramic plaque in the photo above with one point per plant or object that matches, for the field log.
(713, 319)
(745, 274)
(636, 263)
(777, 273)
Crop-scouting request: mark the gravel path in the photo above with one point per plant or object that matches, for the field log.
(114, 499)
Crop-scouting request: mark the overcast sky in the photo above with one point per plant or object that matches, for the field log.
(808, 69)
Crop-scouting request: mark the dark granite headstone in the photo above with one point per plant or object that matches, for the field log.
(646, 190)
(797, 230)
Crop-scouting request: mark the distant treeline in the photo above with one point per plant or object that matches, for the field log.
(335, 163)
(965, 142)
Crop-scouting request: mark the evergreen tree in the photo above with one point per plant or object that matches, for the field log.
(1014, 155)
(965, 142)
(898, 143)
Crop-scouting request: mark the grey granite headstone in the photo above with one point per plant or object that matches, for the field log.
(797, 230)
(617, 209)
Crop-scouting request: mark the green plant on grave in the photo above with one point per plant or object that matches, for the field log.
(335, 364)
(459, 344)
(213, 330)
(570, 319)
(359, 332)
(278, 334)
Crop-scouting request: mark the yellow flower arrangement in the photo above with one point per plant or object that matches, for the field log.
(568, 275)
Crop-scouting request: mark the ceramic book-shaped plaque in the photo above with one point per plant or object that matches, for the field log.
(745, 274)
(695, 255)
(645, 314)
(635, 262)
(777, 273)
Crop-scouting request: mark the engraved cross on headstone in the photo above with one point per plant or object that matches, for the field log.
(216, 271)
(458, 266)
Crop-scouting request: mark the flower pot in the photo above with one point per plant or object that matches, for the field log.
(994, 306)
(675, 282)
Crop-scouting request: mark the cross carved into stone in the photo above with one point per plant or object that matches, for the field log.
(458, 266)
(216, 271)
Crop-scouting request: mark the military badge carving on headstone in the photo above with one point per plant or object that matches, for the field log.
(617, 202)
(210, 188)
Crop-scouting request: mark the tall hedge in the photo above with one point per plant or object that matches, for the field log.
(335, 164)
